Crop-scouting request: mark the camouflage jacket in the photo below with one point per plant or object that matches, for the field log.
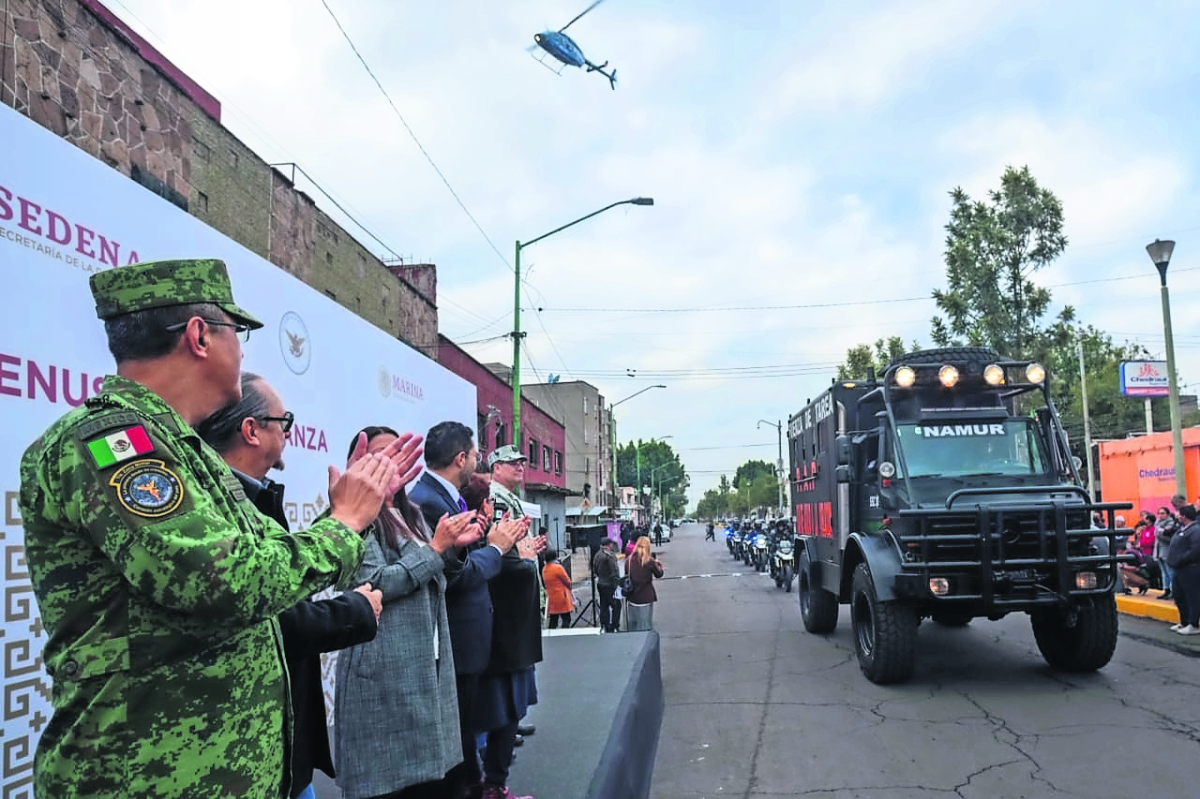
(158, 584)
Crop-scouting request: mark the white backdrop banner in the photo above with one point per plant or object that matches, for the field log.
(63, 216)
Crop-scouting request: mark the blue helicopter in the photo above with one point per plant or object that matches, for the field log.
(563, 48)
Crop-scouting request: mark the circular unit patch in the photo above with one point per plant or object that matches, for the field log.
(148, 488)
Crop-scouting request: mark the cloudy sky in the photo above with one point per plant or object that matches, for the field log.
(799, 155)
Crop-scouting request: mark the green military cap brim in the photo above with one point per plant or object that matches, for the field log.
(161, 284)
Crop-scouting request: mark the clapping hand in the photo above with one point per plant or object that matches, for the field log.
(404, 452)
(459, 530)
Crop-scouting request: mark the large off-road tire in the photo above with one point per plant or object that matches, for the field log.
(957, 354)
(952, 618)
(1083, 640)
(785, 577)
(885, 633)
(818, 607)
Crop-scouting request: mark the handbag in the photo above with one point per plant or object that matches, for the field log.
(626, 585)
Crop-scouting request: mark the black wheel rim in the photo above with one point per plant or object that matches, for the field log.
(864, 625)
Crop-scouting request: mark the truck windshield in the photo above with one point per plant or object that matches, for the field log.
(959, 449)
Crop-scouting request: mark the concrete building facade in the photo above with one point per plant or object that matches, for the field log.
(583, 411)
(543, 437)
(76, 69)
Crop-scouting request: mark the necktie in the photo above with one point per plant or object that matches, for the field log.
(462, 505)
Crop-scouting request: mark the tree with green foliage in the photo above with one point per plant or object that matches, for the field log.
(748, 471)
(992, 248)
(861, 357)
(658, 461)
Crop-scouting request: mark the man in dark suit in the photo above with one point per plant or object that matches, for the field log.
(250, 436)
(450, 460)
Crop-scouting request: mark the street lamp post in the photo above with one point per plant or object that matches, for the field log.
(1160, 253)
(779, 464)
(612, 439)
(658, 493)
(517, 335)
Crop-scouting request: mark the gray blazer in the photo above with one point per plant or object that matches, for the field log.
(395, 708)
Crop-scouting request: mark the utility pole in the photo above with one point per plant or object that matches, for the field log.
(778, 463)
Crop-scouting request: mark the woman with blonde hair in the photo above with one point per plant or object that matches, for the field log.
(642, 569)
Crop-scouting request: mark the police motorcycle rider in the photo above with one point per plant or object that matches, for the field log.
(758, 554)
(733, 537)
(783, 555)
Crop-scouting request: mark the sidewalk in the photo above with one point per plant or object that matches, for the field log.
(1148, 606)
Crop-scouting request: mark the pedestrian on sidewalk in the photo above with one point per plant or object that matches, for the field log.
(1184, 558)
(559, 601)
(643, 568)
(607, 572)
(1164, 529)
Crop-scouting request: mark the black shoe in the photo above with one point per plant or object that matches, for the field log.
(1166, 594)
(526, 729)
(1143, 589)
(519, 740)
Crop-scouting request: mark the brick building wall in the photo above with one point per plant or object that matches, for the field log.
(77, 70)
(494, 425)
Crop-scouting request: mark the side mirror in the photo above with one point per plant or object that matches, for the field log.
(843, 450)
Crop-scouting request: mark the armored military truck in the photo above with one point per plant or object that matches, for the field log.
(945, 489)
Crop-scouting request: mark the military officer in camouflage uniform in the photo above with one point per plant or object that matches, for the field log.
(157, 581)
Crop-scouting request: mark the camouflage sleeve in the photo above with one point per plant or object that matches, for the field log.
(180, 539)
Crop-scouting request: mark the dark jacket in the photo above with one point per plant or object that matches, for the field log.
(468, 602)
(605, 567)
(517, 633)
(1185, 547)
(310, 628)
(643, 580)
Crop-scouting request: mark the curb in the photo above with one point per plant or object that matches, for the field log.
(1148, 606)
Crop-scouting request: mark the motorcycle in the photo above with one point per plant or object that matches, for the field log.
(729, 533)
(785, 563)
(759, 555)
(735, 544)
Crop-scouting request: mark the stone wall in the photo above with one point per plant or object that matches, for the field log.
(77, 70)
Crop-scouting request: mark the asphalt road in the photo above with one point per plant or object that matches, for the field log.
(757, 707)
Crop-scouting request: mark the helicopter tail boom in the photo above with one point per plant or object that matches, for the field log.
(612, 76)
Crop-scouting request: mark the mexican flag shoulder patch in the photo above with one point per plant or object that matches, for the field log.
(120, 446)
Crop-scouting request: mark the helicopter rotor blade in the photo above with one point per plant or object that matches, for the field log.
(581, 15)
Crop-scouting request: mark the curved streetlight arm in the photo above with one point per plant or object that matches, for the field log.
(633, 201)
(636, 393)
(517, 335)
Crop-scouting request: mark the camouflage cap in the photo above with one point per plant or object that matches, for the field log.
(506, 454)
(160, 284)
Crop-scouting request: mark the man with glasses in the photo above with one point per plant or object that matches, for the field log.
(250, 436)
(157, 581)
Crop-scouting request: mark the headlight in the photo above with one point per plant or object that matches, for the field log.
(785, 547)
(993, 375)
(1035, 373)
(948, 375)
(905, 376)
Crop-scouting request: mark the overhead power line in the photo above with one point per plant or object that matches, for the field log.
(416, 141)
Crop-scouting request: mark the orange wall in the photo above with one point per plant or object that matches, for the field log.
(1142, 470)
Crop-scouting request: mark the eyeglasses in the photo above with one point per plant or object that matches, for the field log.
(240, 330)
(285, 422)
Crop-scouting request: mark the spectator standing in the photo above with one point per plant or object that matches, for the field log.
(250, 437)
(643, 568)
(450, 460)
(508, 685)
(158, 583)
(607, 572)
(1184, 557)
(658, 533)
(1165, 526)
(395, 707)
(559, 601)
